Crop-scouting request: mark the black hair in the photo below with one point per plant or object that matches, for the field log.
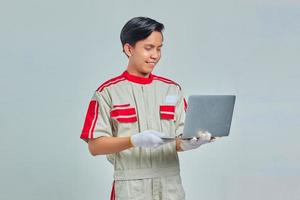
(139, 28)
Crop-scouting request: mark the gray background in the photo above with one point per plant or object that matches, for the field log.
(54, 54)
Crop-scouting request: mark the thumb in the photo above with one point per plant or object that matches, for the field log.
(213, 139)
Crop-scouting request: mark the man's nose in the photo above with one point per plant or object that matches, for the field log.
(155, 54)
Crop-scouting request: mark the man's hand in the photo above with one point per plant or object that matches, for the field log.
(204, 137)
(146, 139)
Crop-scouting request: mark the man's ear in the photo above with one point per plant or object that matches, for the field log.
(127, 48)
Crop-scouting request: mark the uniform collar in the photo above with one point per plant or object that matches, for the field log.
(137, 79)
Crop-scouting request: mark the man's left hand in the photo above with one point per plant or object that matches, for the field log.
(204, 137)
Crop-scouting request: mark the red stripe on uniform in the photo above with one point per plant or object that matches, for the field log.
(127, 120)
(165, 80)
(95, 121)
(112, 194)
(166, 116)
(121, 105)
(90, 119)
(127, 111)
(185, 104)
(110, 83)
(167, 108)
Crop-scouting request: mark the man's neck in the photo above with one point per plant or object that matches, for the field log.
(139, 74)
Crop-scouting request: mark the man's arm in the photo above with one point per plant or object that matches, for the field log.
(178, 148)
(108, 145)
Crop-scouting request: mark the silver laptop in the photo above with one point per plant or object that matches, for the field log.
(212, 113)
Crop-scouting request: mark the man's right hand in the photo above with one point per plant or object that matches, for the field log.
(147, 139)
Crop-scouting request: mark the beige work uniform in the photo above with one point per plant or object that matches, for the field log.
(126, 105)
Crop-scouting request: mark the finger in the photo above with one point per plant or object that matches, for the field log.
(207, 136)
(200, 132)
(193, 140)
(202, 136)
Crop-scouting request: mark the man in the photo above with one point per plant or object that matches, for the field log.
(128, 115)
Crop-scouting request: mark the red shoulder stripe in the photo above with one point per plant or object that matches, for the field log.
(163, 78)
(160, 78)
(110, 82)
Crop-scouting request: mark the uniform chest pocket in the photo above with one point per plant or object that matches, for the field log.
(123, 113)
(167, 112)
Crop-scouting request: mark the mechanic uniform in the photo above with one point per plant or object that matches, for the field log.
(126, 105)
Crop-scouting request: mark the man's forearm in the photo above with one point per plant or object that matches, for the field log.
(108, 145)
(178, 141)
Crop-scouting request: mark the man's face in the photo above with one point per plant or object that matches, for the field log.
(145, 55)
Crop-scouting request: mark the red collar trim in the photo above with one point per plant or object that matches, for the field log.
(137, 79)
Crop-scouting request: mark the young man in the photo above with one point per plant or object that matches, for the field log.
(128, 115)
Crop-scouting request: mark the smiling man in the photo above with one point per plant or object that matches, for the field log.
(144, 55)
(128, 115)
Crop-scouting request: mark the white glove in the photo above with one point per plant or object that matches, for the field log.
(204, 137)
(148, 138)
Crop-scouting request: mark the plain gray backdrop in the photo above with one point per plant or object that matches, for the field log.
(54, 54)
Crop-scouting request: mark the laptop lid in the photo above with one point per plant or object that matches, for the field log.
(212, 113)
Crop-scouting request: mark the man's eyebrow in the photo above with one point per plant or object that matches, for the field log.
(151, 45)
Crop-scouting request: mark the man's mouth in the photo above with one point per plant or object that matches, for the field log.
(153, 63)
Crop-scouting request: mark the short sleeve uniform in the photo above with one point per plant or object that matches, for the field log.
(126, 105)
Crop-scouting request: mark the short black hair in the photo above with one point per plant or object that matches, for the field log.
(139, 28)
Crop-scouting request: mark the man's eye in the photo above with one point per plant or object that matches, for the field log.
(148, 48)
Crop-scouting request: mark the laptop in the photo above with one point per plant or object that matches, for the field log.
(212, 113)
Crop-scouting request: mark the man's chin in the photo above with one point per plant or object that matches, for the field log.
(147, 71)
